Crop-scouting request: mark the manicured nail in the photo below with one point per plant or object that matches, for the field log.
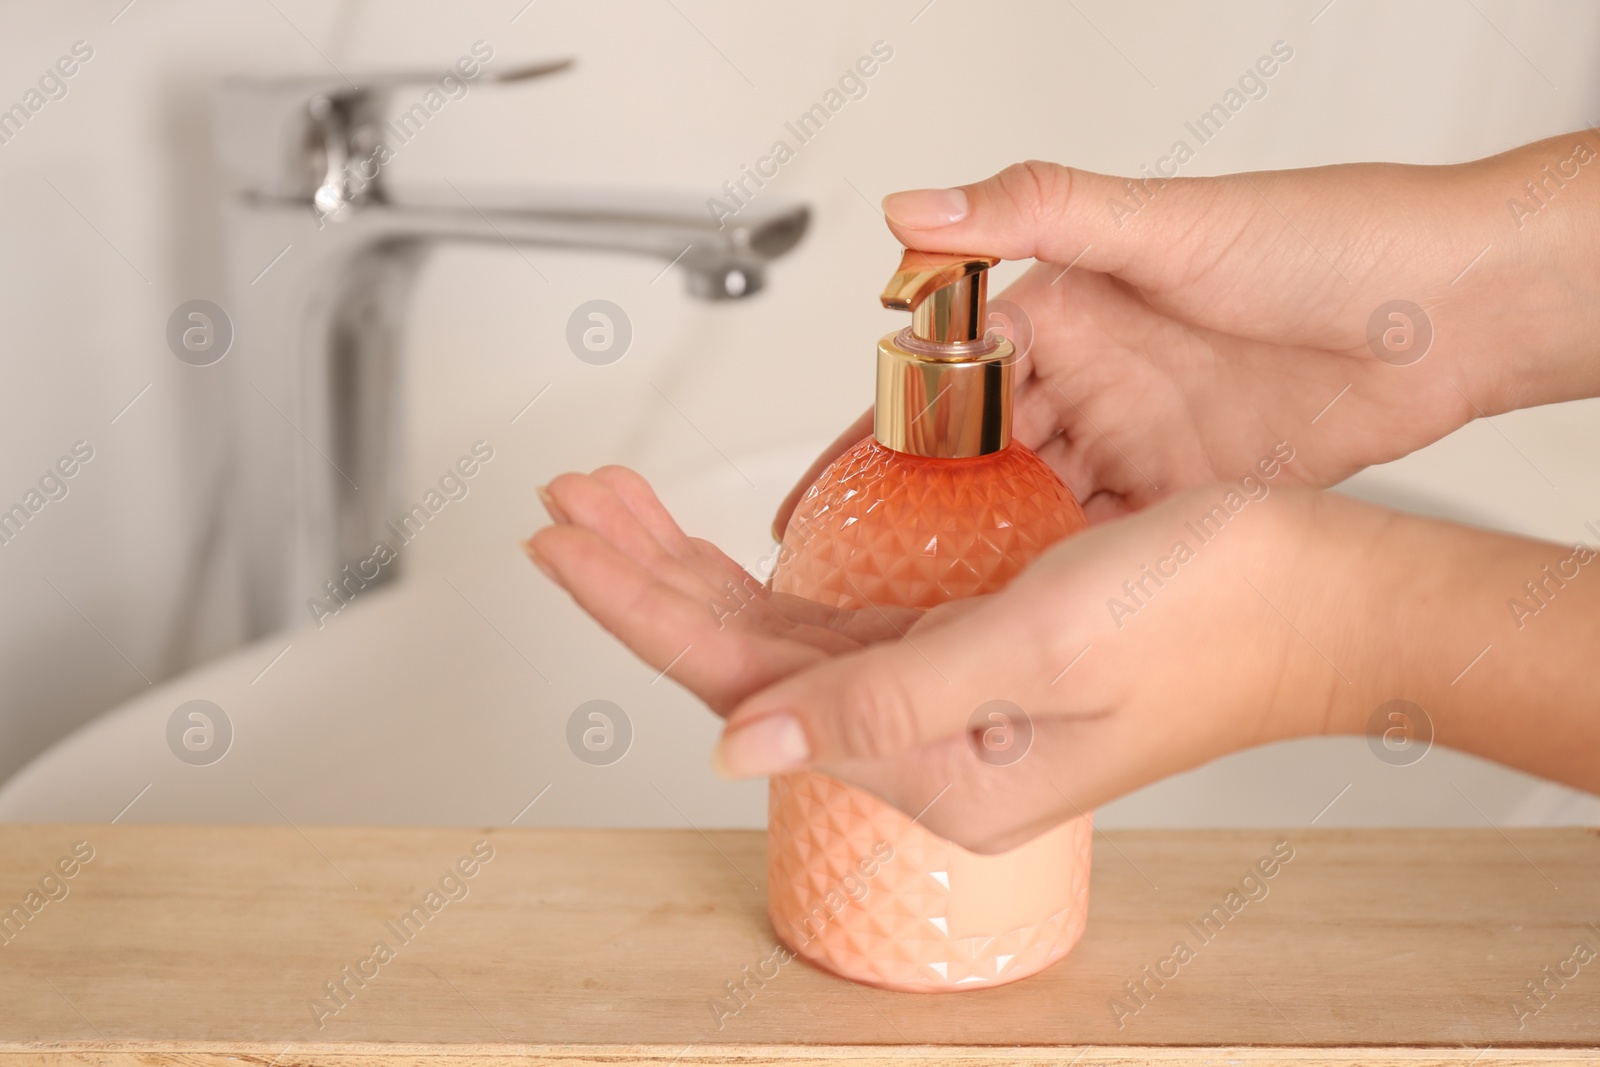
(556, 514)
(926, 209)
(538, 559)
(771, 745)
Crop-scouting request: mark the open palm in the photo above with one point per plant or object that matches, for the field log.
(685, 607)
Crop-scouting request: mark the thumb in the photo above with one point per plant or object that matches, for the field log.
(891, 697)
(1057, 214)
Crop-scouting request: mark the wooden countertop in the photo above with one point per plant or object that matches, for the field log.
(213, 945)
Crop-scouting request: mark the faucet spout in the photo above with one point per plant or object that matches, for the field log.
(721, 260)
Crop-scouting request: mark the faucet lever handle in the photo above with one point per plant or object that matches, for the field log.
(294, 137)
(387, 81)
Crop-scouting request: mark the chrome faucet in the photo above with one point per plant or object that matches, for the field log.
(319, 334)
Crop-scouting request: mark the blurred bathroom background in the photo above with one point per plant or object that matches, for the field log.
(446, 698)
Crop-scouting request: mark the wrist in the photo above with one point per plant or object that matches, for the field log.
(1326, 598)
(1402, 608)
(1529, 310)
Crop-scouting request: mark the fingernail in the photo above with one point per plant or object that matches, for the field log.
(772, 745)
(926, 209)
(556, 514)
(538, 560)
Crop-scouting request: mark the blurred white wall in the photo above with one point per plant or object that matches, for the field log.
(109, 207)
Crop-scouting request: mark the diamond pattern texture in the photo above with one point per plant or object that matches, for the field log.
(881, 527)
(857, 888)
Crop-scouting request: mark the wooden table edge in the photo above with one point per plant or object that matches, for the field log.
(398, 1054)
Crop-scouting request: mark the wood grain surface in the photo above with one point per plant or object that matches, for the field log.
(216, 946)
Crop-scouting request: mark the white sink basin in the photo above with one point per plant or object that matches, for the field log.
(409, 707)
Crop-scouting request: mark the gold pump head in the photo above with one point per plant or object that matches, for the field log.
(944, 384)
(946, 292)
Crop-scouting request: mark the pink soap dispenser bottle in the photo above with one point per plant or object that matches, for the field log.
(938, 503)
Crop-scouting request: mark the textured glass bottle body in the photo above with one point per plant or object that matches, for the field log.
(854, 885)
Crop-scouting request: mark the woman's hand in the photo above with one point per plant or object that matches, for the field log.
(1180, 328)
(1182, 669)
(679, 600)
(1224, 617)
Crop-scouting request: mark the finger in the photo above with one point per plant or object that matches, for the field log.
(1045, 211)
(993, 806)
(704, 575)
(1067, 459)
(1106, 506)
(865, 626)
(696, 568)
(670, 630)
(587, 503)
(635, 492)
(716, 562)
(584, 500)
(783, 614)
(857, 430)
(705, 559)
(1031, 294)
(890, 698)
(1035, 420)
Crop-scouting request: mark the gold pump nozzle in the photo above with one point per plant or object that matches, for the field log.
(946, 293)
(944, 384)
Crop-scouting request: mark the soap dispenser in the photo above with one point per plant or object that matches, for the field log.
(938, 503)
